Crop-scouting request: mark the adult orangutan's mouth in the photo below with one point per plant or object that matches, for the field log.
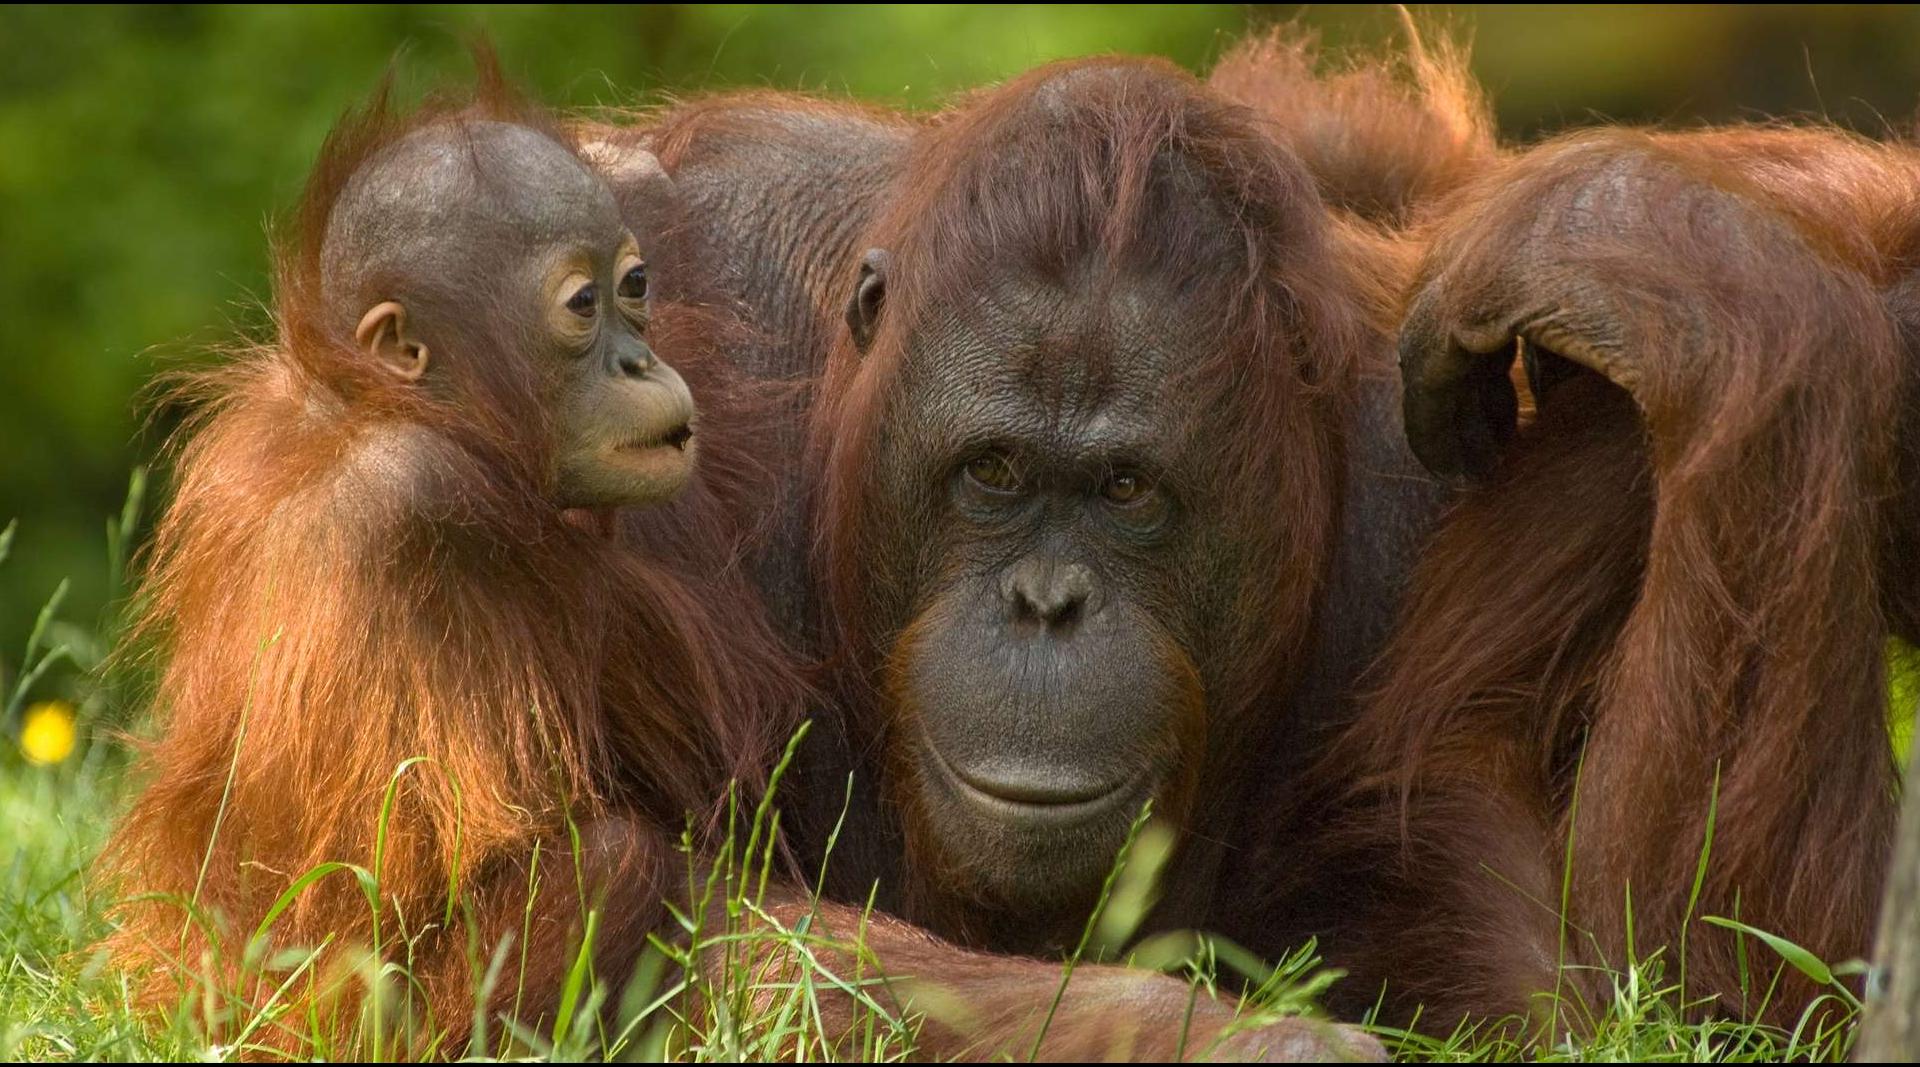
(1033, 802)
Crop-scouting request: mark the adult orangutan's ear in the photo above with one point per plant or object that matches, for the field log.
(869, 295)
(383, 336)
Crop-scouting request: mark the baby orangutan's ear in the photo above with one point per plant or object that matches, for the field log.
(382, 335)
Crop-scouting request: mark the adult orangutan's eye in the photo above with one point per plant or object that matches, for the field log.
(1135, 500)
(1128, 489)
(992, 472)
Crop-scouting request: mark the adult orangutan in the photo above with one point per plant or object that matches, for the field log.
(778, 189)
(1653, 631)
(1111, 499)
(404, 562)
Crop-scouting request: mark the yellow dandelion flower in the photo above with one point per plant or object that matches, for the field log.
(47, 732)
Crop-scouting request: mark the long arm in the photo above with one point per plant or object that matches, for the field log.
(1726, 552)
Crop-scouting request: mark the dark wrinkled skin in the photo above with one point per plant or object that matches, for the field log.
(1078, 697)
(1051, 593)
(1043, 715)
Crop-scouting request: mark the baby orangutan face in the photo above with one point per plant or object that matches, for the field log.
(626, 417)
(480, 242)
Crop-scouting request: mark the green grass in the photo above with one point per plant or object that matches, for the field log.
(59, 1000)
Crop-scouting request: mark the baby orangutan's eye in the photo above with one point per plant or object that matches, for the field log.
(633, 284)
(584, 300)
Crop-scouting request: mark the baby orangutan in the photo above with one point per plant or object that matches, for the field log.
(451, 644)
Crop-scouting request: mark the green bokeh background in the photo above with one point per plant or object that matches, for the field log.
(143, 150)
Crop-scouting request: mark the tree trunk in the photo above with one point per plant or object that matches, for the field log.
(1890, 1032)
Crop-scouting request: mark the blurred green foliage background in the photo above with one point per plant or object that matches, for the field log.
(143, 150)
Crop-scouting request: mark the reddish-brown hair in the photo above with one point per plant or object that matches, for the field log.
(320, 616)
(1382, 135)
(1672, 598)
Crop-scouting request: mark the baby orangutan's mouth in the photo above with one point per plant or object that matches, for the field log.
(676, 438)
(657, 460)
